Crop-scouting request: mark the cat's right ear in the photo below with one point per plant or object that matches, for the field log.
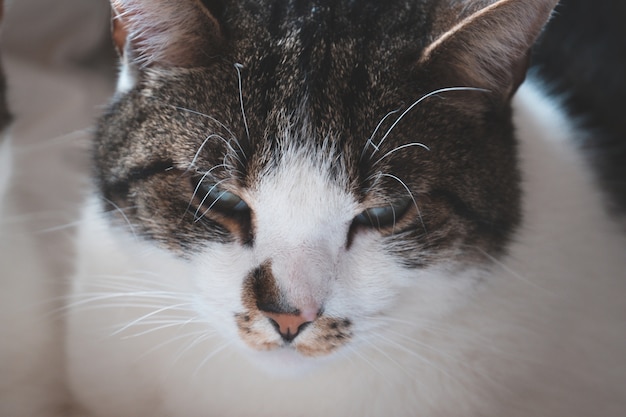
(165, 33)
(490, 47)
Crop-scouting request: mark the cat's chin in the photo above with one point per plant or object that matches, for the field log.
(286, 362)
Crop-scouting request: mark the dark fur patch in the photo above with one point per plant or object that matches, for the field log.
(582, 56)
(262, 293)
(334, 69)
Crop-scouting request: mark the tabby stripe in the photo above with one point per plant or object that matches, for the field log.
(121, 186)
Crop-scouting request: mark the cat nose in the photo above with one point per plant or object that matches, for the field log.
(289, 326)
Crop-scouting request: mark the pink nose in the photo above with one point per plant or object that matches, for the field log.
(289, 325)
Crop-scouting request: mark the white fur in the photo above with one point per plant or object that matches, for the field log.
(126, 79)
(542, 335)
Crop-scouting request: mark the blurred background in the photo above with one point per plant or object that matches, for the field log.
(60, 69)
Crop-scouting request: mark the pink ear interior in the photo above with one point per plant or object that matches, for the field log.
(119, 32)
(165, 33)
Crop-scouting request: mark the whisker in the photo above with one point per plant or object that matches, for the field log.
(126, 219)
(399, 148)
(66, 226)
(209, 356)
(238, 67)
(136, 277)
(413, 354)
(408, 190)
(418, 101)
(162, 325)
(176, 339)
(213, 119)
(203, 201)
(364, 358)
(508, 270)
(206, 140)
(204, 335)
(195, 191)
(370, 140)
(92, 299)
(148, 315)
(51, 142)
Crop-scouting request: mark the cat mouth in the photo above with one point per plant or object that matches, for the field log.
(317, 338)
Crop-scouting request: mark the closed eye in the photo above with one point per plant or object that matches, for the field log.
(212, 197)
(384, 216)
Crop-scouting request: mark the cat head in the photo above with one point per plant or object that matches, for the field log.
(322, 166)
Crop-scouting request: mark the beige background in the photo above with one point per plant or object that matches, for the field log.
(60, 72)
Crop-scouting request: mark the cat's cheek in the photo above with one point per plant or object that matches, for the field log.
(218, 274)
(377, 290)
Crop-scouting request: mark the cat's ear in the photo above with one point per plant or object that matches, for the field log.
(166, 33)
(489, 48)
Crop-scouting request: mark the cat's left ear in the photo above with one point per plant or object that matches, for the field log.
(490, 48)
(165, 33)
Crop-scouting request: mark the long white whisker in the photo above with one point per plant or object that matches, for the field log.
(117, 208)
(59, 228)
(209, 356)
(195, 191)
(162, 324)
(205, 335)
(43, 145)
(206, 140)
(238, 67)
(408, 190)
(370, 140)
(213, 119)
(136, 277)
(367, 360)
(418, 101)
(508, 270)
(408, 145)
(69, 225)
(148, 315)
(413, 354)
(90, 299)
(203, 201)
(175, 339)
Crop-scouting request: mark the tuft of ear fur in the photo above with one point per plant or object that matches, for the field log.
(490, 48)
(165, 33)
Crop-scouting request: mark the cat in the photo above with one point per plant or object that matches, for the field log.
(342, 208)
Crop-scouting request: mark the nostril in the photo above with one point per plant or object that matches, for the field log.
(289, 326)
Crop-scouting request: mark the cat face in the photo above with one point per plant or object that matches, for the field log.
(322, 167)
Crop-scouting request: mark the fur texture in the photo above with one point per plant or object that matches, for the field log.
(334, 208)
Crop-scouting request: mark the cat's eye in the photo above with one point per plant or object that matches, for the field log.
(385, 216)
(214, 198)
